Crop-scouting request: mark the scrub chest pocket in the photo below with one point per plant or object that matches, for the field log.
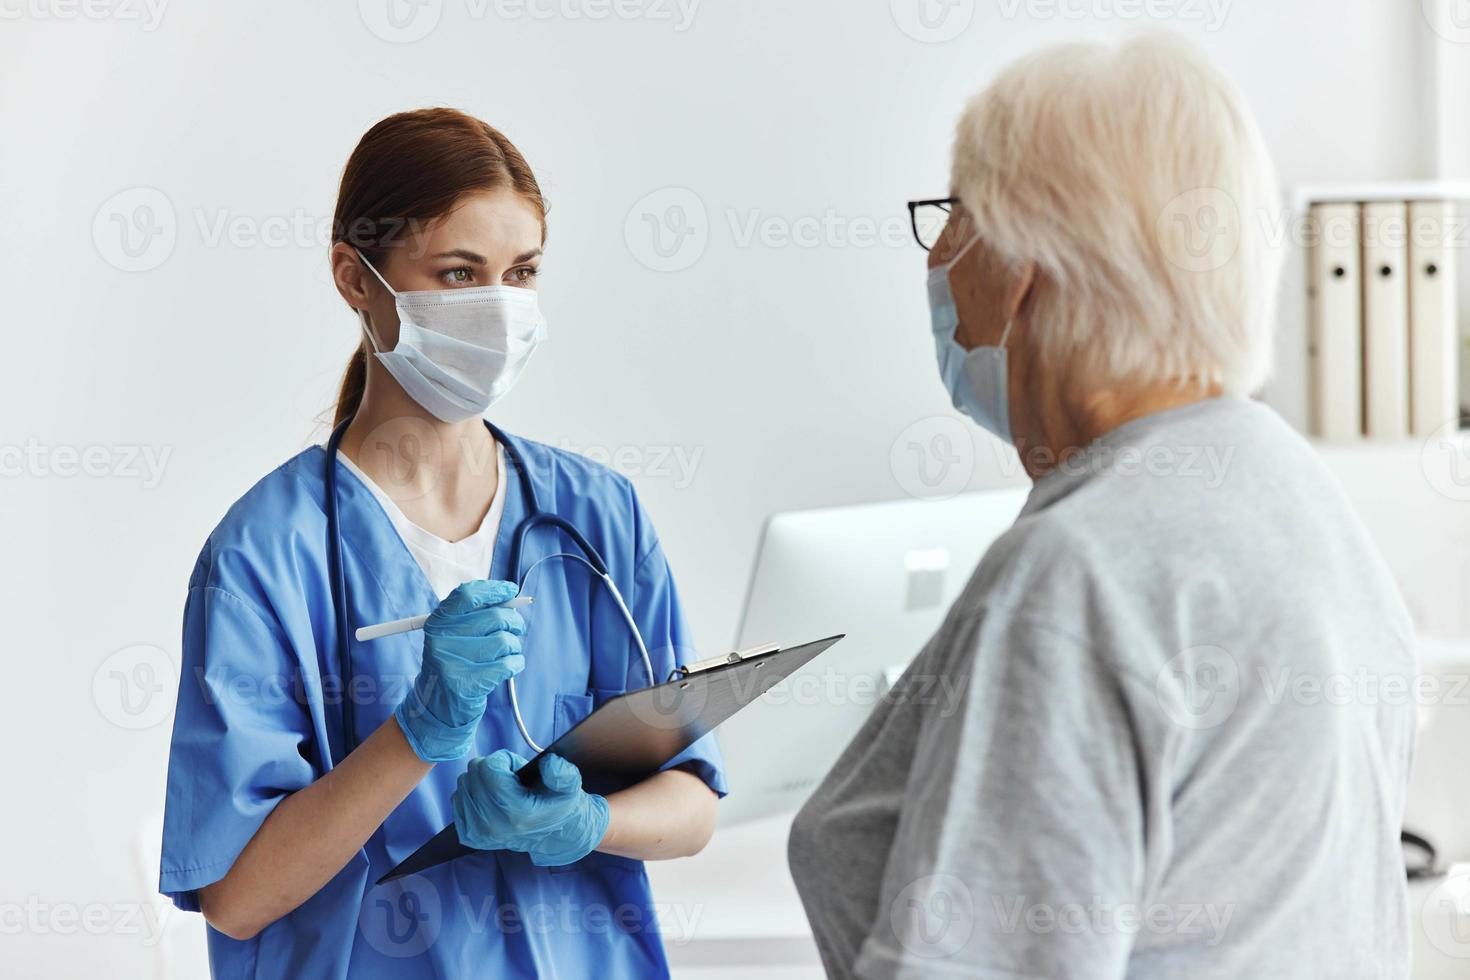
(572, 708)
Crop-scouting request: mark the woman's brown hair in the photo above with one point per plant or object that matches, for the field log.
(408, 170)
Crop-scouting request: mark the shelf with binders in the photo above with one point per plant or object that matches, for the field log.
(1384, 309)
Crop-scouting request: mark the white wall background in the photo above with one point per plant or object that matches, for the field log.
(793, 368)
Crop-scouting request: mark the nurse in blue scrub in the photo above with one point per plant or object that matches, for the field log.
(306, 764)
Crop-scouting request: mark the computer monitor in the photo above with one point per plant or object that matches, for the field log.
(885, 574)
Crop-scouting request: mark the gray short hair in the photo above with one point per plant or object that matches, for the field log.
(1105, 167)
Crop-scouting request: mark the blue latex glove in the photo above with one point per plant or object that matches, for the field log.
(471, 647)
(556, 823)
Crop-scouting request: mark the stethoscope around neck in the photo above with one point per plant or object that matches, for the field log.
(534, 518)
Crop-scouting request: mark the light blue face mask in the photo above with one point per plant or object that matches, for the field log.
(976, 379)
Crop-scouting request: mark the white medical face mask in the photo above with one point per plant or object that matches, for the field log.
(976, 379)
(460, 350)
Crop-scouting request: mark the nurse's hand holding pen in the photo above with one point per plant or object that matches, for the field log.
(472, 645)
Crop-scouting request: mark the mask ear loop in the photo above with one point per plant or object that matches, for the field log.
(1012, 321)
(362, 319)
(375, 272)
(951, 264)
(362, 314)
(961, 253)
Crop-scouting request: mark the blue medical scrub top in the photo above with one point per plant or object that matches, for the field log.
(254, 724)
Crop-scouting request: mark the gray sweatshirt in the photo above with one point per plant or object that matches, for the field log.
(1172, 738)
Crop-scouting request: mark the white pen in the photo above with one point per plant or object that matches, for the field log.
(365, 633)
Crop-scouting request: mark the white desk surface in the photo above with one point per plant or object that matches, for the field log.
(733, 907)
(737, 887)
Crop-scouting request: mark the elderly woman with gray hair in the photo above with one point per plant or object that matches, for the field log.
(1135, 782)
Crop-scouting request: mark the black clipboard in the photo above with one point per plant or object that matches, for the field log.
(632, 735)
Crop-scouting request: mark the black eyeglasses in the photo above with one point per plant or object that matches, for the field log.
(928, 218)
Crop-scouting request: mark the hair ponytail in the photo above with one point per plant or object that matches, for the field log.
(354, 381)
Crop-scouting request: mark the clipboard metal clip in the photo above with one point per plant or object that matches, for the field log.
(739, 656)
